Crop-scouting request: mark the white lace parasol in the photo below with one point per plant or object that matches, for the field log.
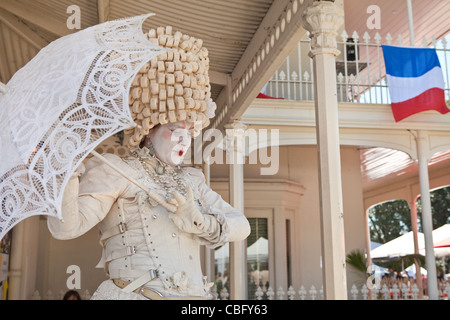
(72, 95)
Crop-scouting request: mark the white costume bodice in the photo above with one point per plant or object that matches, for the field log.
(136, 233)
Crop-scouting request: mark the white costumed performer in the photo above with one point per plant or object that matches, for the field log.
(148, 252)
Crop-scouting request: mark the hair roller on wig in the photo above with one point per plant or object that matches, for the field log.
(174, 86)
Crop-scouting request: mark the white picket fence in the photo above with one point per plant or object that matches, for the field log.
(49, 295)
(396, 292)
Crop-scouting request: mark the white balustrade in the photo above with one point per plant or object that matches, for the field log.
(360, 77)
(394, 291)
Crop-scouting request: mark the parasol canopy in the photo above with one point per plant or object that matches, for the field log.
(71, 96)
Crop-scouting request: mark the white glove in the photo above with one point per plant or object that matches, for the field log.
(188, 217)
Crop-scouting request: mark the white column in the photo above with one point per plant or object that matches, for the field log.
(368, 246)
(23, 263)
(410, 23)
(15, 263)
(415, 230)
(238, 250)
(208, 253)
(322, 19)
(427, 221)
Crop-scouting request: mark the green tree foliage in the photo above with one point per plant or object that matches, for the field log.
(440, 206)
(357, 259)
(389, 220)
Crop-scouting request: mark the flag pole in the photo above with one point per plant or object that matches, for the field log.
(410, 23)
(414, 211)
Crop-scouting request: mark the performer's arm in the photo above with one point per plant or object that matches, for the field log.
(226, 223)
(88, 199)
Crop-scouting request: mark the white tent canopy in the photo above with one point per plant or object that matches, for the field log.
(404, 245)
(379, 271)
(439, 234)
(411, 271)
(397, 248)
(259, 250)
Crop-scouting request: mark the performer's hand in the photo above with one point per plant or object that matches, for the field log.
(188, 217)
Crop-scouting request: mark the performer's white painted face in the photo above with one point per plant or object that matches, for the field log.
(171, 141)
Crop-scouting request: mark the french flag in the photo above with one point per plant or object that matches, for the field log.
(415, 81)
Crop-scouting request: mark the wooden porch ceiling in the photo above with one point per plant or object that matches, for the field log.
(247, 40)
(382, 166)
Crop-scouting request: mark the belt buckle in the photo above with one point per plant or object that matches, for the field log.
(153, 273)
(141, 292)
(131, 250)
(122, 227)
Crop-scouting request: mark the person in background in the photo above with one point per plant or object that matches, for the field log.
(72, 295)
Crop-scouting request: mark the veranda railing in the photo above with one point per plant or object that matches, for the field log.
(360, 69)
(385, 292)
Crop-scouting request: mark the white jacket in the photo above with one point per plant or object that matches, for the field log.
(137, 234)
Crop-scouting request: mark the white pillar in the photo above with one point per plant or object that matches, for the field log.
(322, 19)
(23, 263)
(208, 253)
(238, 250)
(427, 221)
(368, 247)
(15, 263)
(410, 23)
(415, 230)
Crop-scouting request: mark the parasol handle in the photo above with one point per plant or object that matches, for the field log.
(170, 207)
(3, 88)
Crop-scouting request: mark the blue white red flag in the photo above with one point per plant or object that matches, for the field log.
(415, 81)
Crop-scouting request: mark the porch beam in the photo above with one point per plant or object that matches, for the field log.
(24, 31)
(359, 124)
(351, 115)
(37, 17)
(103, 10)
(219, 78)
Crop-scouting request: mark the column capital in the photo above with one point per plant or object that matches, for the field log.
(235, 142)
(235, 125)
(422, 145)
(322, 19)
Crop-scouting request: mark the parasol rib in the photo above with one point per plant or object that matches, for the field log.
(154, 196)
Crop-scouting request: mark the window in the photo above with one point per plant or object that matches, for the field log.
(258, 256)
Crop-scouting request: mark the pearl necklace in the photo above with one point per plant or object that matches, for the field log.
(166, 177)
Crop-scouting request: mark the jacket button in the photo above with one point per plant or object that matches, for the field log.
(174, 235)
